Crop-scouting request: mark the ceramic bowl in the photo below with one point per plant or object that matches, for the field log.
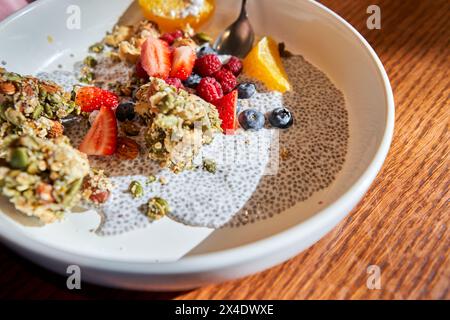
(169, 255)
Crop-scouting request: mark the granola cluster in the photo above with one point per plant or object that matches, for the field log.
(32, 106)
(42, 177)
(179, 123)
(40, 172)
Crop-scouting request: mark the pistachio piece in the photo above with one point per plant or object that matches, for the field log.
(90, 61)
(130, 128)
(37, 112)
(19, 158)
(96, 48)
(157, 208)
(73, 189)
(150, 179)
(202, 37)
(209, 165)
(136, 189)
(14, 116)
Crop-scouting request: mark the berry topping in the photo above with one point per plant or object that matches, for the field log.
(101, 138)
(192, 81)
(125, 111)
(170, 37)
(155, 57)
(204, 50)
(251, 119)
(182, 62)
(281, 118)
(140, 72)
(208, 65)
(246, 90)
(226, 79)
(234, 65)
(92, 98)
(227, 111)
(209, 89)
(175, 82)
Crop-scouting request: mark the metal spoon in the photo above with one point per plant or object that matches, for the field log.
(237, 39)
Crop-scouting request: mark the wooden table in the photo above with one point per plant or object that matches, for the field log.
(402, 223)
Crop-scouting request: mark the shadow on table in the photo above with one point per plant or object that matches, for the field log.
(22, 279)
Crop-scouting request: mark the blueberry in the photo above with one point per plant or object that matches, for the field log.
(125, 111)
(251, 119)
(204, 50)
(281, 118)
(192, 81)
(246, 90)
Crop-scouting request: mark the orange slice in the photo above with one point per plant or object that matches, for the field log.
(264, 63)
(171, 15)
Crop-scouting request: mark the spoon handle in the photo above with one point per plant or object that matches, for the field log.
(243, 9)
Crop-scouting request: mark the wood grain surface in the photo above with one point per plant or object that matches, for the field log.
(401, 225)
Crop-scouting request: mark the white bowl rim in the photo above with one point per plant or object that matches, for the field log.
(243, 253)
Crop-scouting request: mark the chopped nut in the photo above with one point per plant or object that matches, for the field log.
(209, 165)
(128, 52)
(163, 180)
(130, 128)
(185, 42)
(18, 158)
(96, 48)
(50, 87)
(90, 61)
(44, 192)
(150, 179)
(157, 208)
(202, 37)
(119, 34)
(56, 130)
(136, 189)
(127, 149)
(7, 88)
(284, 154)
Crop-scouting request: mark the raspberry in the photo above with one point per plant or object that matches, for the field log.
(234, 65)
(175, 82)
(167, 37)
(209, 89)
(172, 36)
(226, 79)
(207, 65)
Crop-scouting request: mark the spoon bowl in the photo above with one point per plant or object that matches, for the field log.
(238, 38)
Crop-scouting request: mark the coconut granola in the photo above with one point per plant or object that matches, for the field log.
(179, 123)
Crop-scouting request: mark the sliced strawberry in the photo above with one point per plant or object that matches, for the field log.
(183, 62)
(155, 57)
(92, 98)
(226, 107)
(101, 139)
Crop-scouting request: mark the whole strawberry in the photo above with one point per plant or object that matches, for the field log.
(209, 89)
(207, 65)
(226, 79)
